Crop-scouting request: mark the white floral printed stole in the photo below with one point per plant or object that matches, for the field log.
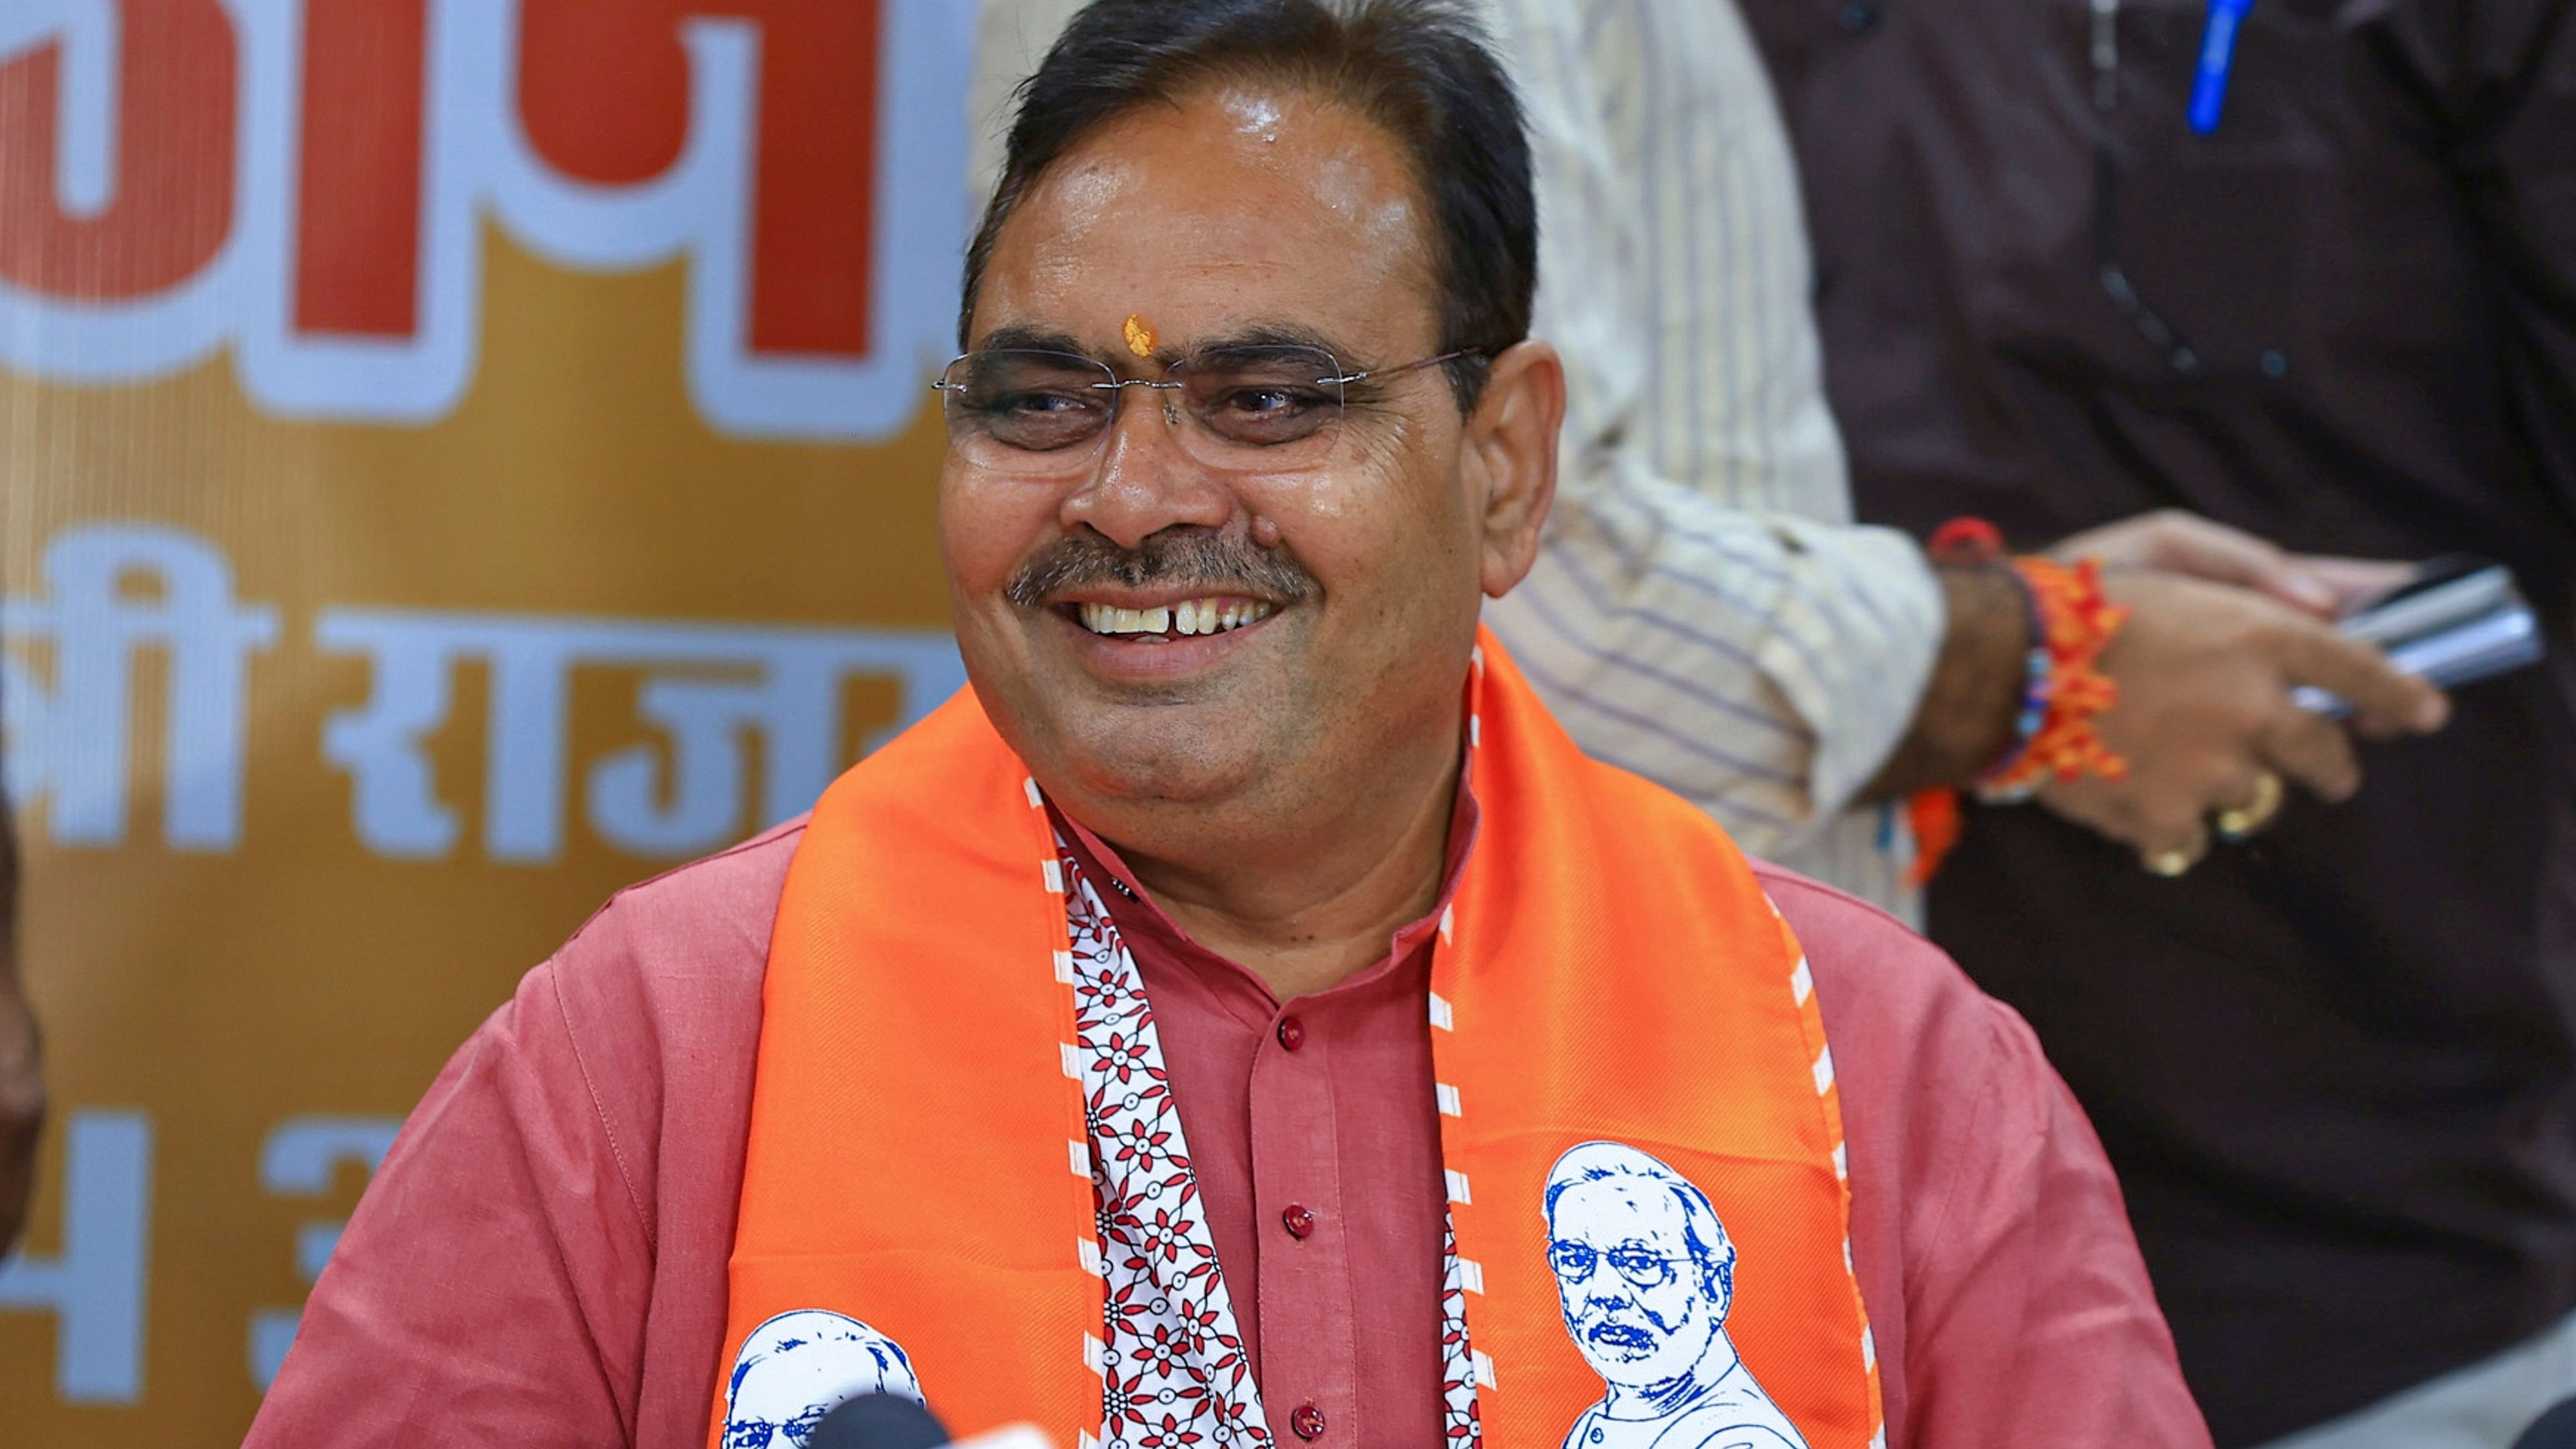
(1176, 1375)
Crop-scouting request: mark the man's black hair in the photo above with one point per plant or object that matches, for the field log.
(1420, 68)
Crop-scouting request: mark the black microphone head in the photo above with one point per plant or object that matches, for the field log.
(2553, 1430)
(879, 1421)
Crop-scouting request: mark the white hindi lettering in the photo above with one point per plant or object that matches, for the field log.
(96, 1286)
(709, 690)
(727, 204)
(782, 684)
(68, 735)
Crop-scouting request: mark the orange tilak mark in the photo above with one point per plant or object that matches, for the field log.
(1140, 336)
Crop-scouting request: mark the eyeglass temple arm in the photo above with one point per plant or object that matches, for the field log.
(1402, 368)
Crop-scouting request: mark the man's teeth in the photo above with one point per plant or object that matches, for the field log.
(1191, 616)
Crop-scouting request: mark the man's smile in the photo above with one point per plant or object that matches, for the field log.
(1162, 622)
(1146, 637)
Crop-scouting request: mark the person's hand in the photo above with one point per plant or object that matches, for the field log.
(2177, 542)
(22, 1105)
(2204, 672)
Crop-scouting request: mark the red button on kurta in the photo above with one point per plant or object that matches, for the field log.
(1308, 1421)
(1292, 1032)
(1297, 1221)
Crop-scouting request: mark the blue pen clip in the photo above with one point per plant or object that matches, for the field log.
(2217, 57)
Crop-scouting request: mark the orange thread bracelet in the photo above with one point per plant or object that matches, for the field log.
(2077, 621)
(2073, 621)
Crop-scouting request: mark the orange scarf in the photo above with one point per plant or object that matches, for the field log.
(1610, 974)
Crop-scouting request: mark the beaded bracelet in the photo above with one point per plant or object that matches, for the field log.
(2038, 686)
(2063, 692)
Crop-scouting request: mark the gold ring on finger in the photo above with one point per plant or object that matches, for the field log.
(2176, 861)
(2244, 820)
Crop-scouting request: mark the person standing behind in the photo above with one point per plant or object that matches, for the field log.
(2310, 270)
(1705, 612)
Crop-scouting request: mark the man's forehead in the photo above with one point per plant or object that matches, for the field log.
(1189, 217)
(1164, 345)
(1215, 152)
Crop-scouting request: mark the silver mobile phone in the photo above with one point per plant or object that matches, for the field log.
(2460, 619)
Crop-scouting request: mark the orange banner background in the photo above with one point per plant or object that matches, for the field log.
(565, 358)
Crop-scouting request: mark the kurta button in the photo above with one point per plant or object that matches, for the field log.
(1297, 1221)
(1292, 1035)
(1308, 1421)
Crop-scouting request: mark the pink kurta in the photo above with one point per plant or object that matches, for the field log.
(541, 1261)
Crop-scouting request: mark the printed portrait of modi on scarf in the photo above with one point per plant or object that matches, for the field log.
(799, 1366)
(1645, 1274)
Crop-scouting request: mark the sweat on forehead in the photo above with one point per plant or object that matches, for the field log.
(1174, 224)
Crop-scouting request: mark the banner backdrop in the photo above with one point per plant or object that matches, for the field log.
(460, 456)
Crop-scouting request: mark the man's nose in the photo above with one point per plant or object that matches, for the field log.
(1146, 481)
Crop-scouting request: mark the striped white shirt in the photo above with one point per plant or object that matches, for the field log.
(1704, 613)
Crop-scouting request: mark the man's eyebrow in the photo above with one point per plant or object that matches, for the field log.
(1031, 339)
(1268, 336)
(1255, 337)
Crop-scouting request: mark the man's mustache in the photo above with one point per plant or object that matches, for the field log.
(1599, 1319)
(1205, 561)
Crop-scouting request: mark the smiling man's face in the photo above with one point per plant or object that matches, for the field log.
(1342, 592)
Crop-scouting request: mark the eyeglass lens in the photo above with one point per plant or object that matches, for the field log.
(1263, 408)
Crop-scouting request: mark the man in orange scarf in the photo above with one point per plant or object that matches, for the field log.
(1243, 1017)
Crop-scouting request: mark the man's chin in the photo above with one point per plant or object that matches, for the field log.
(1164, 756)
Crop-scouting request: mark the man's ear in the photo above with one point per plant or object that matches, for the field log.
(1719, 1283)
(1511, 449)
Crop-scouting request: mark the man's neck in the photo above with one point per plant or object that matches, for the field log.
(1307, 906)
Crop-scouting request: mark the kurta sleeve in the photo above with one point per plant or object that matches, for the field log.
(2029, 1315)
(2005, 1291)
(491, 1287)
(1704, 612)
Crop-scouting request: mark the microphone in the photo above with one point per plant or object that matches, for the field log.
(892, 1421)
(2553, 1430)
(879, 1421)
